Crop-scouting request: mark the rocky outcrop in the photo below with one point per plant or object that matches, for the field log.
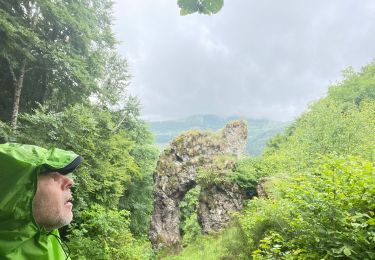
(176, 174)
(216, 203)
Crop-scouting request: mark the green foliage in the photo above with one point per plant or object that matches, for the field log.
(321, 195)
(113, 239)
(74, 97)
(5, 133)
(210, 176)
(67, 48)
(228, 244)
(108, 227)
(113, 163)
(138, 197)
(342, 123)
(357, 86)
(189, 226)
(327, 128)
(247, 173)
(320, 208)
(108, 166)
(244, 172)
(217, 172)
(114, 79)
(328, 213)
(208, 7)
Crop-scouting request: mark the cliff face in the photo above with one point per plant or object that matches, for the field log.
(216, 202)
(176, 174)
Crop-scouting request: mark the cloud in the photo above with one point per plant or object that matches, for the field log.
(260, 59)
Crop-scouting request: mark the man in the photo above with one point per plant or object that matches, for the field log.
(52, 206)
(35, 200)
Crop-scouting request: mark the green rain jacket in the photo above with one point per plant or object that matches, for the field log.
(20, 237)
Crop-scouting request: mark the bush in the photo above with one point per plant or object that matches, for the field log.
(247, 173)
(189, 226)
(228, 244)
(6, 134)
(111, 233)
(328, 213)
(244, 172)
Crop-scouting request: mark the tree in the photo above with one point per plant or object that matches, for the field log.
(138, 197)
(51, 51)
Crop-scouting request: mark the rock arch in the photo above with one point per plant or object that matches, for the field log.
(176, 173)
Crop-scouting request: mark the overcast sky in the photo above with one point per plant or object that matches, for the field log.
(257, 59)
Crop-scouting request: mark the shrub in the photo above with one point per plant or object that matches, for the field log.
(113, 239)
(324, 214)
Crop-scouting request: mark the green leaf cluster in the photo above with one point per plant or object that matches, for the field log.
(248, 172)
(113, 239)
(217, 172)
(326, 214)
(189, 226)
(208, 7)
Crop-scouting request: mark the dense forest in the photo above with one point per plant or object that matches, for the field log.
(63, 84)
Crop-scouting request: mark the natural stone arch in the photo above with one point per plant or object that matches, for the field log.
(176, 173)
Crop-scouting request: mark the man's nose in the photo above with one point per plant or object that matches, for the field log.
(68, 182)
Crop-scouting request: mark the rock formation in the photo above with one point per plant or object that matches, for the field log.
(216, 202)
(176, 174)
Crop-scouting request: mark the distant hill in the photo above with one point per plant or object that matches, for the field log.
(259, 130)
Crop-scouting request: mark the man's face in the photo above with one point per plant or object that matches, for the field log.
(52, 206)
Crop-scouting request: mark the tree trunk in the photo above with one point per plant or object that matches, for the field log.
(18, 84)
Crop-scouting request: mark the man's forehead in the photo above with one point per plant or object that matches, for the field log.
(70, 175)
(57, 175)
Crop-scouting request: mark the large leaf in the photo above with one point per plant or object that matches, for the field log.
(187, 6)
(201, 6)
(211, 6)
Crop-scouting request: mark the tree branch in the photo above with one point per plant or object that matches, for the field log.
(120, 123)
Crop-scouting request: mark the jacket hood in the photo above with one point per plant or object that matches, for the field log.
(20, 165)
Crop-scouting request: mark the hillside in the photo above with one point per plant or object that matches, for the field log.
(316, 183)
(259, 130)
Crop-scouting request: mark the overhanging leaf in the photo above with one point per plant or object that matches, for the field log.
(201, 6)
(187, 6)
(212, 6)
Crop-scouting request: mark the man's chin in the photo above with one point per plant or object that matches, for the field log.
(66, 218)
(58, 223)
(69, 218)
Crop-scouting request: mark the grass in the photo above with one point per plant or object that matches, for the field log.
(228, 244)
